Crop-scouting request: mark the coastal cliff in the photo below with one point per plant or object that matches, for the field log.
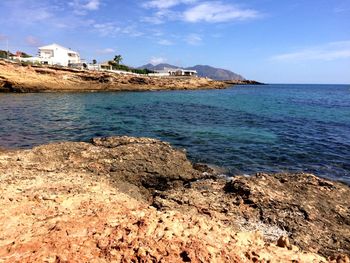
(130, 199)
(17, 78)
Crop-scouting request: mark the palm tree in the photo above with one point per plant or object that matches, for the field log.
(118, 59)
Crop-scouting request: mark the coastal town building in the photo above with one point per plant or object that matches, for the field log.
(55, 54)
(176, 72)
(183, 72)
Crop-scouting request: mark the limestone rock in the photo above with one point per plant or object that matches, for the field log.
(313, 212)
(17, 78)
(90, 202)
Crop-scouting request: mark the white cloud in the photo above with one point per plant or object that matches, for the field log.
(54, 14)
(326, 52)
(111, 29)
(157, 60)
(153, 20)
(215, 12)
(131, 31)
(341, 10)
(193, 39)
(92, 5)
(165, 4)
(197, 11)
(157, 33)
(106, 29)
(35, 14)
(161, 16)
(105, 51)
(165, 42)
(81, 7)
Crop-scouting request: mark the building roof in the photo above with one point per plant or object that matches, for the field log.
(54, 45)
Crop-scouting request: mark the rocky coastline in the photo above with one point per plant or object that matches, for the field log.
(18, 78)
(126, 199)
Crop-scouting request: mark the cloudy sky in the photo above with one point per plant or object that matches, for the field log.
(299, 41)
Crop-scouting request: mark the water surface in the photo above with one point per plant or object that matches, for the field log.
(246, 129)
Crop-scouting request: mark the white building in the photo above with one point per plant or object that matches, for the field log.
(166, 72)
(182, 72)
(55, 54)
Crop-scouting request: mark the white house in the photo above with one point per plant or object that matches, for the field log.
(166, 72)
(55, 54)
(182, 72)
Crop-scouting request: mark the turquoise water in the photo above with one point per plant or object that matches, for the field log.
(246, 129)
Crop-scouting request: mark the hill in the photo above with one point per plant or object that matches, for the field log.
(203, 71)
(216, 73)
(157, 67)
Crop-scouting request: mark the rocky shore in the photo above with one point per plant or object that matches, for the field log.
(124, 199)
(17, 78)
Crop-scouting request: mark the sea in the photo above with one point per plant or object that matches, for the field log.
(244, 129)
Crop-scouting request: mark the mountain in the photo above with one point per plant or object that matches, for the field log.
(203, 71)
(216, 73)
(157, 67)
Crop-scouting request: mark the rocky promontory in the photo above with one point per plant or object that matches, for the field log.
(124, 199)
(15, 77)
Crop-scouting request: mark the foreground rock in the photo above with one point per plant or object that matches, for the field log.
(136, 166)
(17, 78)
(90, 202)
(313, 212)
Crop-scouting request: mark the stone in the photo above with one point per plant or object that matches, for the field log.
(283, 242)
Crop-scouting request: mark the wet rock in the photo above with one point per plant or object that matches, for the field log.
(211, 170)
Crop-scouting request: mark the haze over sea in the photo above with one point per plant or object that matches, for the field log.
(246, 129)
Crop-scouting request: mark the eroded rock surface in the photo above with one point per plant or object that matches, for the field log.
(134, 165)
(313, 212)
(90, 202)
(17, 78)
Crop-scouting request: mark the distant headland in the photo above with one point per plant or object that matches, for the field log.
(59, 69)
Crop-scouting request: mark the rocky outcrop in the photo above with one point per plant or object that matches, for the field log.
(313, 212)
(243, 82)
(136, 166)
(17, 78)
(139, 200)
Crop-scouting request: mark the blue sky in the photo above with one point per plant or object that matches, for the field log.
(275, 41)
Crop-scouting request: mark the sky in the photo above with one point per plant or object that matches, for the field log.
(273, 41)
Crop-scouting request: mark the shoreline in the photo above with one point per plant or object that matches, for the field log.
(154, 191)
(15, 78)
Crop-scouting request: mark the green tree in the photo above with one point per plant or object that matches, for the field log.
(118, 59)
